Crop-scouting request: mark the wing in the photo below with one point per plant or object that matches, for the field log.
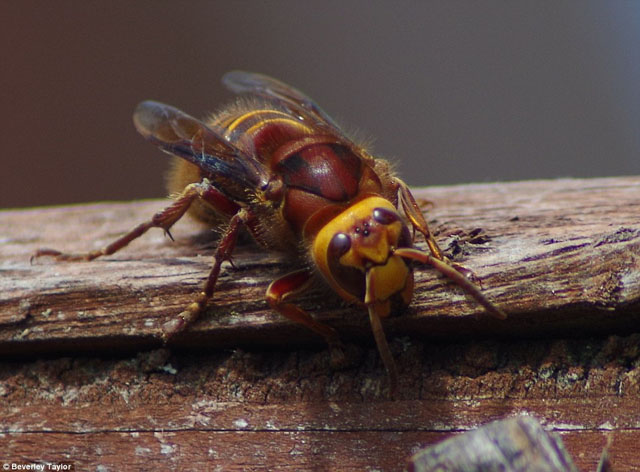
(296, 102)
(232, 171)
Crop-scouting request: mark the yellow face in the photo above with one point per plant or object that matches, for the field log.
(354, 252)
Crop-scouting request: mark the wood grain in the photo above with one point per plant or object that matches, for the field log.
(246, 389)
(560, 256)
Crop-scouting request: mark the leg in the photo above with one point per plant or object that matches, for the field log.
(412, 210)
(291, 285)
(163, 219)
(223, 252)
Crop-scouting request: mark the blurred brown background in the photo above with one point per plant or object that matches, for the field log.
(452, 91)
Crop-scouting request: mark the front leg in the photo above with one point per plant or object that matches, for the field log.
(413, 212)
(290, 285)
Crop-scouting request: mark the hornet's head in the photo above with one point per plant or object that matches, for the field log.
(355, 254)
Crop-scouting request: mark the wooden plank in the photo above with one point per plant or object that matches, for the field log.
(220, 450)
(560, 256)
(246, 389)
(265, 451)
(587, 386)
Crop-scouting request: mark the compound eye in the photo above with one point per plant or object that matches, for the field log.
(384, 216)
(340, 244)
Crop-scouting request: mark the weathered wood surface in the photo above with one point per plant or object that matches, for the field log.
(559, 256)
(247, 389)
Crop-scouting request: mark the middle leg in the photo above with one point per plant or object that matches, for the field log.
(223, 252)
